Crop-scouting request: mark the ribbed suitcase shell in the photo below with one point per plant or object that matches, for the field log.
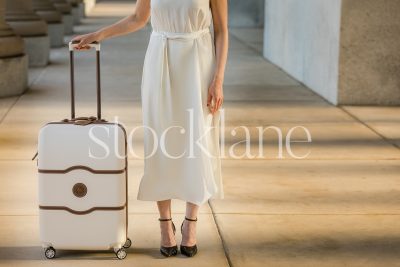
(72, 219)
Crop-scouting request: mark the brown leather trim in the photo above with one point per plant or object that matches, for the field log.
(95, 122)
(79, 190)
(81, 167)
(83, 212)
(126, 172)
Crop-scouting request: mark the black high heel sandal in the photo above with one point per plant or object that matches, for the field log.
(169, 251)
(188, 251)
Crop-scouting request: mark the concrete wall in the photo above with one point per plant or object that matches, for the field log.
(370, 52)
(345, 50)
(246, 13)
(302, 37)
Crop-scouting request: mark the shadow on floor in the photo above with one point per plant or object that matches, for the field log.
(37, 253)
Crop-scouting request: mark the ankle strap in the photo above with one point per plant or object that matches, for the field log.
(192, 220)
(164, 220)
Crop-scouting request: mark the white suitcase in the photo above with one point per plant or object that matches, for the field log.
(83, 203)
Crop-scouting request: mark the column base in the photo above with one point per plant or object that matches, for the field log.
(13, 75)
(56, 34)
(68, 21)
(75, 15)
(38, 50)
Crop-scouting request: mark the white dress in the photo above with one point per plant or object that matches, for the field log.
(181, 136)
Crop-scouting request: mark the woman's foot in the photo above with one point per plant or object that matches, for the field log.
(168, 246)
(188, 230)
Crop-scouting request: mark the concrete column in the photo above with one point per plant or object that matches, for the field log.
(369, 62)
(32, 28)
(65, 8)
(75, 11)
(347, 51)
(47, 11)
(13, 61)
(82, 8)
(302, 37)
(248, 13)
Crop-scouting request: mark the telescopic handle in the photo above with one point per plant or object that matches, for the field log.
(72, 46)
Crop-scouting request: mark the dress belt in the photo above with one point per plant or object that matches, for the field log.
(165, 75)
(181, 35)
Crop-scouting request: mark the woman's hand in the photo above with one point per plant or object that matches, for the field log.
(86, 39)
(215, 96)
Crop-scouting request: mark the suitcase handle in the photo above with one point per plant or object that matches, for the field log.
(95, 45)
(74, 44)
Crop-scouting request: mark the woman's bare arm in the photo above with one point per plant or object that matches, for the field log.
(126, 25)
(219, 9)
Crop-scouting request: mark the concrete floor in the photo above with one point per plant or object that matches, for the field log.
(340, 206)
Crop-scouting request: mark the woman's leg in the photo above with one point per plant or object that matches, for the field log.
(189, 227)
(167, 234)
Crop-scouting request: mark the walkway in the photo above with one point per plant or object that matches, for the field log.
(338, 207)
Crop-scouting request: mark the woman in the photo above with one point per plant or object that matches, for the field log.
(182, 94)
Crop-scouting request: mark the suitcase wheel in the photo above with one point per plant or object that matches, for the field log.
(121, 253)
(128, 243)
(50, 252)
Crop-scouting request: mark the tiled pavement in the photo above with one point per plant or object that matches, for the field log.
(337, 207)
